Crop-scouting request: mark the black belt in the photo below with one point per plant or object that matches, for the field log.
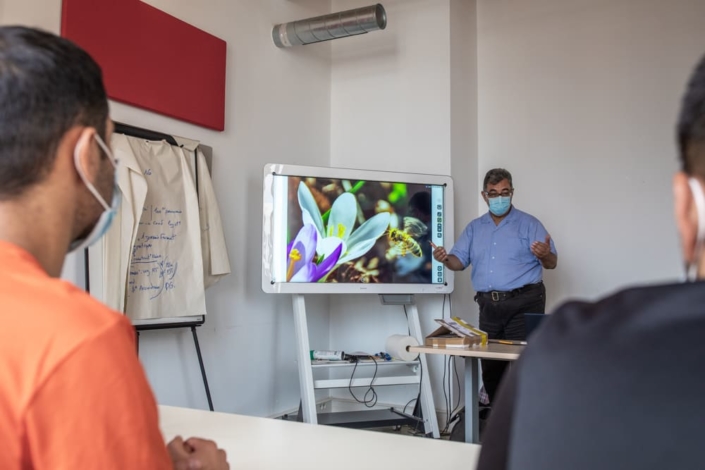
(498, 296)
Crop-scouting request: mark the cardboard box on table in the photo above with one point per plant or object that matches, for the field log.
(455, 333)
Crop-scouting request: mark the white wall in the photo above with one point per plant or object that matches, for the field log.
(391, 110)
(578, 99)
(390, 91)
(277, 109)
(44, 14)
(463, 125)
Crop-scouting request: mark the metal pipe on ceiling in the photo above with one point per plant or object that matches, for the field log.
(333, 26)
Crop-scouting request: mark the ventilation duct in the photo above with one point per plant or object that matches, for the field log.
(333, 26)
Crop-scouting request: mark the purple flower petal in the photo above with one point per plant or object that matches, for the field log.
(305, 273)
(328, 264)
(305, 246)
(308, 237)
(288, 248)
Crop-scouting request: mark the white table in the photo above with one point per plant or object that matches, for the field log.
(501, 352)
(263, 443)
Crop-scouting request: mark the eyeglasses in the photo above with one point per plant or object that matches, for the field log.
(494, 194)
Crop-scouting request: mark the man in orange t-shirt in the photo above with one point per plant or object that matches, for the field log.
(72, 392)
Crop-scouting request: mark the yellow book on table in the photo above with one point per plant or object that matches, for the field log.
(454, 332)
(471, 328)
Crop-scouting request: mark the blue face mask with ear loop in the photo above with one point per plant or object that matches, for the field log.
(500, 205)
(106, 218)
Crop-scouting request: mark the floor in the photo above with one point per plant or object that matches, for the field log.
(405, 430)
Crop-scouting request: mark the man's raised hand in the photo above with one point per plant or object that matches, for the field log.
(541, 249)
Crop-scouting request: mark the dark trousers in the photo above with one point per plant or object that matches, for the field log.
(504, 319)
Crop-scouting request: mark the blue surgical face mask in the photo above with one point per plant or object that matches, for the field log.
(106, 218)
(500, 205)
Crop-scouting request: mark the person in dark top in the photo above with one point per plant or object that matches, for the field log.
(588, 392)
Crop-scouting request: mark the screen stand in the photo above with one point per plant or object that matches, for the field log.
(303, 358)
(308, 412)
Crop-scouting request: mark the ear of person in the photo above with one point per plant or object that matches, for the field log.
(685, 214)
(86, 158)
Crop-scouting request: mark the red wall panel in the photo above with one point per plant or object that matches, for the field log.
(151, 59)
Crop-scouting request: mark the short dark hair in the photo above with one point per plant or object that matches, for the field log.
(47, 85)
(691, 124)
(496, 175)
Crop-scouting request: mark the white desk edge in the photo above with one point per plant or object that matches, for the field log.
(263, 443)
(505, 352)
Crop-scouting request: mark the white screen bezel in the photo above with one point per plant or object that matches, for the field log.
(268, 222)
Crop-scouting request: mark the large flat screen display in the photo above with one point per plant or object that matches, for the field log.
(330, 230)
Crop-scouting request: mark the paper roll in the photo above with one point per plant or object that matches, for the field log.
(396, 347)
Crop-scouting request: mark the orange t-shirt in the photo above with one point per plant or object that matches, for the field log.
(73, 394)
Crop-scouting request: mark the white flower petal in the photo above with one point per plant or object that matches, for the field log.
(342, 217)
(308, 205)
(372, 229)
(357, 251)
(308, 220)
(328, 245)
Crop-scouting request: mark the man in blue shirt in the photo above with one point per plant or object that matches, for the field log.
(508, 250)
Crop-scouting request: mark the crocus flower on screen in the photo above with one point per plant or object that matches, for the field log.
(339, 231)
(303, 264)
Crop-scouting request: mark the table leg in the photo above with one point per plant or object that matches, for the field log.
(472, 379)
